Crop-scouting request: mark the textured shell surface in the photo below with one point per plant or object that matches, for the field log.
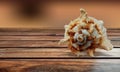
(85, 34)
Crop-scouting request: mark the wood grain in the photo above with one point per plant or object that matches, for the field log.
(34, 37)
(38, 43)
(60, 65)
(52, 53)
(44, 32)
(37, 50)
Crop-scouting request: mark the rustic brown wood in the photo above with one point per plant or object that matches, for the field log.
(60, 65)
(44, 32)
(28, 43)
(32, 37)
(39, 43)
(37, 50)
(52, 53)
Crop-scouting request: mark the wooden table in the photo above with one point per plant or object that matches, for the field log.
(37, 50)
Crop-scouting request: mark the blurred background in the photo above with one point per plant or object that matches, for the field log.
(54, 14)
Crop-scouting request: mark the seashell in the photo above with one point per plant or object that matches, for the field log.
(85, 34)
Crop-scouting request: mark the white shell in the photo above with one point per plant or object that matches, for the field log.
(87, 34)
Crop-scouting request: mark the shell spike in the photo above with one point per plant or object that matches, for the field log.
(83, 13)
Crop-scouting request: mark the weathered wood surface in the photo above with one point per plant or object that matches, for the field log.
(34, 50)
(52, 53)
(41, 38)
(37, 43)
(47, 32)
(60, 65)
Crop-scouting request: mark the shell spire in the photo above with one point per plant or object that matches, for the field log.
(83, 13)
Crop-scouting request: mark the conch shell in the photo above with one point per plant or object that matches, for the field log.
(85, 34)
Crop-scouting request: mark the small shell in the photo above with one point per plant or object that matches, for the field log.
(85, 34)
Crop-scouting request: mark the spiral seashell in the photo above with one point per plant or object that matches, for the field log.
(85, 34)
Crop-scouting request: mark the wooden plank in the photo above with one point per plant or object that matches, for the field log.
(29, 43)
(42, 37)
(29, 30)
(31, 33)
(44, 30)
(46, 33)
(115, 30)
(60, 65)
(53, 32)
(53, 53)
(38, 43)
(33, 37)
